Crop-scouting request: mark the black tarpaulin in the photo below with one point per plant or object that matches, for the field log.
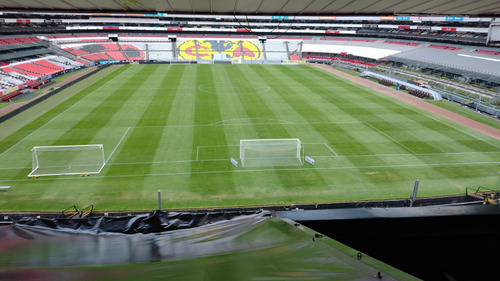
(174, 246)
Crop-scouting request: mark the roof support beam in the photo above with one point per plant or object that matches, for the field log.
(329, 3)
(234, 7)
(307, 6)
(282, 7)
(260, 5)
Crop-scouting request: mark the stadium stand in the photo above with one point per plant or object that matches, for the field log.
(18, 40)
(47, 64)
(19, 75)
(35, 69)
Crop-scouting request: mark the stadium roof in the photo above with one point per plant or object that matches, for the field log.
(267, 7)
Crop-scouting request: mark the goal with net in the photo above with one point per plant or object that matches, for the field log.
(270, 152)
(67, 160)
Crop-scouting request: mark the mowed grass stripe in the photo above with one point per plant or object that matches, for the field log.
(84, 131)
(130, 113)
(17, 122)
(207, 111)
(306, 105)
(128, 187)
(142, 141)
(425, 130)
(430, 147)
(278, 110)
(233, 111)
(289, 180)
(255, 106)
(350, 137)
(374, 117)
(338, 134)
(439, 132)
(386, 143)
(101, 113)
(288, 103)
(41, 137)
(36, 124)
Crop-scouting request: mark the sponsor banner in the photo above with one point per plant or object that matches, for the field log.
(10, 90)
(234, 162)
(454, 18)
(387, 18)
(449, 29)
(402, 18)
(109, 62)
(332, 31)
(295, 61)
(279, 17)
(327, 18)
(309, 160)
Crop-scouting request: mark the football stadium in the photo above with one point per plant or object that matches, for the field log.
(249, 140)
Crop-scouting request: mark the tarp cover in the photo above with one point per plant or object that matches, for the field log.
(224, 246)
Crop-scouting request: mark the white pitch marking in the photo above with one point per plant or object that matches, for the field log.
(269, 170)
(336, 155)
(391, 138)
(390, 99)
(268, 119)
(46, 123)
(246, 124)
(319, 156)
(203, 146)
(118, 144)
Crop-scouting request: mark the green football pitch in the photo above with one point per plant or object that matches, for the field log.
(174, 128)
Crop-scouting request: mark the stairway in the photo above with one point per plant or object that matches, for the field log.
(123, 52)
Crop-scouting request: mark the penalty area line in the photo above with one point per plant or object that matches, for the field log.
(208, 146)
(118, 144)
(46, 123)
(335, 153)
(391, 138)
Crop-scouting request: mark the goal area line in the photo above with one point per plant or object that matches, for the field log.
(201, 148)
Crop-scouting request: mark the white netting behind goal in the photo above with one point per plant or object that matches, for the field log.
(67, 160)
(270, 152)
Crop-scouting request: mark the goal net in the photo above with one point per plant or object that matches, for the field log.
(67, 160)
(270, 152)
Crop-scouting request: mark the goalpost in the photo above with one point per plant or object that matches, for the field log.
(270, 152)
(67, 160)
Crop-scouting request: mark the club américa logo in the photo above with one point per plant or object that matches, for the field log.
(222, 49)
